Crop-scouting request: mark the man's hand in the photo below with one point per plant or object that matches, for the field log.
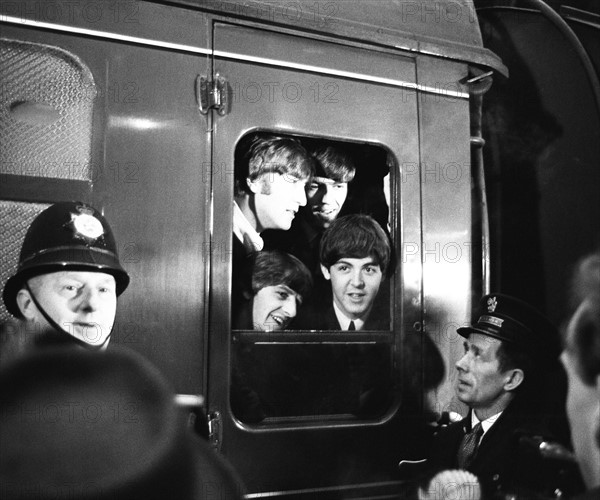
(452, 485)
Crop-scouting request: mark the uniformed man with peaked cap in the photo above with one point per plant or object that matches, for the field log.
(507, 350)
(67, 282)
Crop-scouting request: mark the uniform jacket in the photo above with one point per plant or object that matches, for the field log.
(502, 463)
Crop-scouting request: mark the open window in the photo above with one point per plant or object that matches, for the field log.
(294, 354)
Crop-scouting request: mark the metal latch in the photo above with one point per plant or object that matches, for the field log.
(212, 95)
(215, 430)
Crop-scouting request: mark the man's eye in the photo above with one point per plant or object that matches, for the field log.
(70, 288)
(283, 295)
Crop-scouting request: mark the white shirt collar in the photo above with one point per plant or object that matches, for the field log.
(344, 320)
(244, 231)
(485, 424)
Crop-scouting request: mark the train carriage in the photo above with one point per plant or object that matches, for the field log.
(140, 107)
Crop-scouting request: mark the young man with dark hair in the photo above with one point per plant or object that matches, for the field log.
(271, 173)
(328, 189)
(275, 284)
(506, 353)
(581, 359)
(270, 177)
(354, 257)
(326, 193)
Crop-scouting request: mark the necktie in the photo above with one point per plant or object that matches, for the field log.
(468, 446)
(351, 326)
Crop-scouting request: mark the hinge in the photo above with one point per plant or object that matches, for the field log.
(212, 94)
(215, 430)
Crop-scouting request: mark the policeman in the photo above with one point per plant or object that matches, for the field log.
(67, 281)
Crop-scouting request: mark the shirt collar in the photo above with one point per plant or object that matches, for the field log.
(485, 424)
(244, 231)
(344, 320)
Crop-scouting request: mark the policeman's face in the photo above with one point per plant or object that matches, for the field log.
(82, 303)
(583, 408)
(480, 383)
(273, 307)
(277, 198)
(325, 199)
(354, 283)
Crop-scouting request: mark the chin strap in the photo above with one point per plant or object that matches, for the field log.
(61, 331)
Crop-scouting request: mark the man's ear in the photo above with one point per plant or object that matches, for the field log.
(325, 272)
(255, 185)
(514, 378)
(26, 304)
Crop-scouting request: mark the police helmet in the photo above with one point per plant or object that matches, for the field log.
(66, 236)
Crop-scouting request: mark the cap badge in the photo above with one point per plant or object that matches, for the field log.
(491, 320)
(86, 225)
(492, 303)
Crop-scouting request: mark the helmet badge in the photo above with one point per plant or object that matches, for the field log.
(492, 303)
(86, 226)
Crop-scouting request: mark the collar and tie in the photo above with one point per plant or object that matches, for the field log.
(351, 326)
(468, 447)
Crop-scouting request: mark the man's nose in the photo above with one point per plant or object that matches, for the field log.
(461, 365)
(289, 307)
(327, 198)
(90, 300)
(357, 279)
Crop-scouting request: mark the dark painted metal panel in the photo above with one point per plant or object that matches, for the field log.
(129, 20)
(150, 177)
(252, 43)
(447, 241)
(445, 29)
(322, 453)
(39, 190)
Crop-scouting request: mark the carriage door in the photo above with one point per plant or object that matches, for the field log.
(361, 101)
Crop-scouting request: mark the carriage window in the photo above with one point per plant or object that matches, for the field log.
(312, 279)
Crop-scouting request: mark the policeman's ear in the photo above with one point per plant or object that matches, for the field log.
(26, 304)
(513, 379)
(325, 272)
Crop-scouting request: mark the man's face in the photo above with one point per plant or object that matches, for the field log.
(82, 303)
(325, 200)
(276, 200)
(354, 283)
(583, 409)
(274, 307)
(480, 383)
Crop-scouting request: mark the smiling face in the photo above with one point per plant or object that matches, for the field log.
(276, 201)
(325, 200)
(82, 303)
(354, 283)
(273, 307)
(480, 382)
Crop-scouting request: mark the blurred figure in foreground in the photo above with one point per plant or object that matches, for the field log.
(75, 424)
(581, 359)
